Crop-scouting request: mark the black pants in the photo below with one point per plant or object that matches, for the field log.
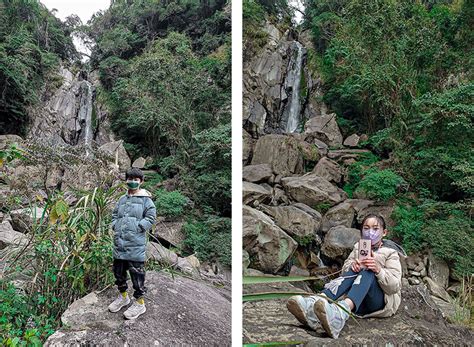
(137, 273)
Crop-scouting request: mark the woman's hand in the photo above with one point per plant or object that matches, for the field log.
(371, 264)
(355, 266)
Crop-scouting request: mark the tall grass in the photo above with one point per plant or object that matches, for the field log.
(67, 256)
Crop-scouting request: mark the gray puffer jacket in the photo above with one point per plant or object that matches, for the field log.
(132, 217)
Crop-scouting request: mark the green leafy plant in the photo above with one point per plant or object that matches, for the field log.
(170, 204)
(380, 184)
(210, 238)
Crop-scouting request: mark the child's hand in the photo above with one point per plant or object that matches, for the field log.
(371, 264)
(355, 265)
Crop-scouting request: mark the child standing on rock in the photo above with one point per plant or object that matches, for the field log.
(371, 287)
(133, 216)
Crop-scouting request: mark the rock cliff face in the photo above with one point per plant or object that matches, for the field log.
(71, 115)
(279, 91)
(69, 144)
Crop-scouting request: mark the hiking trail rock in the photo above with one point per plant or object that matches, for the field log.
(180, 311)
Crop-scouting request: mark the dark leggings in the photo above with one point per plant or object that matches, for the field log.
(137, 273)
(366, 293)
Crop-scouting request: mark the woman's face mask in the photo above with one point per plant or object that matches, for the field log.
(133, 184)
(374, 234)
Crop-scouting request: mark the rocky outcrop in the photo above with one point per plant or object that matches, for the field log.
(8, 236)
(70, 116)
(418, 321)
(295, 221)
(313, 190)
(339, 242)
(325, 128)
(180, 311)
(280, 152)
(268, 246)
(257, 173)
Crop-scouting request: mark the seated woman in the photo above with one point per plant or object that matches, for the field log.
(371, 287)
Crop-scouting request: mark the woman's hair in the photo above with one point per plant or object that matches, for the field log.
(376, 216)
(134, 172)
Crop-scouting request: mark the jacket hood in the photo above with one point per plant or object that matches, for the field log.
(141, 192)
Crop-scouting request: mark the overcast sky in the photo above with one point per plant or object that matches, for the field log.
(83, 8)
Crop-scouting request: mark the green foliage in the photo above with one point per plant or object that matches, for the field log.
(170, 204)
(70, 254)
(409, 222)
(381, 185)
(322, 207)
(32, 41)
(210, 238)
(357, 171)
(21, 324)
(378, 56)
(439, 156)
(443, 227)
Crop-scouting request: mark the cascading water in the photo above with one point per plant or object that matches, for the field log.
(292, 82)
(85, 111)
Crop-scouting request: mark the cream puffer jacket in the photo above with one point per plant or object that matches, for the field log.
(389, 278)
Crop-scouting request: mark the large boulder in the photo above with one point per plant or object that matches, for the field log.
(7, 140)
(313, 190)
(254, 192)
(180, 311)
(295, 221)
(280, 152)
(339, 242)
(269, 247)
(436, 289)
(156, 252)
(329, 170)
(24, 219)
(171, 232)
(384, 210)
(342, 214)
(257, 173)
(438, 270)
(352, 141)
(247, 147)
(8, 236)
(117, 151)
(326, 126)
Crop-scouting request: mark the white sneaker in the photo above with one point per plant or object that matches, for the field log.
(134, 310)
(302, 308)
(332, 317)
(118, 303)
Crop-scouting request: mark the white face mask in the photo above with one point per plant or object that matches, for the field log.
(374, 235)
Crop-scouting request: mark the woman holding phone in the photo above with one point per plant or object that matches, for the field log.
(370, 283)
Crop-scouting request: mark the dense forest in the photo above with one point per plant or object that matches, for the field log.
(401, 72)
(164, 71)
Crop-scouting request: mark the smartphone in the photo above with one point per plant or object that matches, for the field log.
(364, 249)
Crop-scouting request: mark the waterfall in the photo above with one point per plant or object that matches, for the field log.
(292, 82)
(85, 111)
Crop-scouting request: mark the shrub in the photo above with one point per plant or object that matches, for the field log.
(20, 323)
(381, 185)
(409, 222)
(210, 238)
(170, 204)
